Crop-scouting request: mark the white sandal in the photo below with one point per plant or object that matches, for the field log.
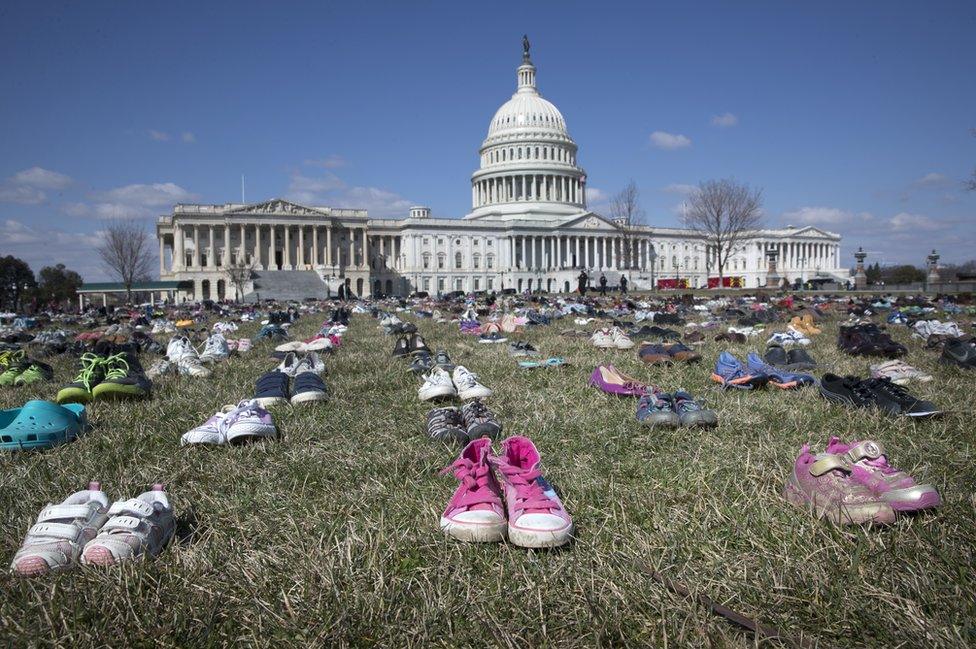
(138, 528)
(55, 542)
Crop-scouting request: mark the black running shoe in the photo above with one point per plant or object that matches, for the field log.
(124, 378)
(960, 352)
(846, 390)
(422, 363)
(443, 361)
(895, 400)
(798, 359)
(479, 421)
(417, 345)
(446, 425)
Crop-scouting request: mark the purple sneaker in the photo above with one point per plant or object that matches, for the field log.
(536, 517)
(475, 512)
(249, 421)
(869, 467)
(824, 484)
(609, 379)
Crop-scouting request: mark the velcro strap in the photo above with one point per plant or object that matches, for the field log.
(122, 523)
(132, 506)
(866, 449)
(55, 512)
(826, 463)
(55, 530)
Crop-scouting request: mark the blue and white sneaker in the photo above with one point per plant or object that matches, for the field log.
(308, 387)
(733, 375)
(780, 378)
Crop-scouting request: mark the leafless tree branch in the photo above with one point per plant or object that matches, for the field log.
(239, 274)
(724, 213)
(626, 212)
(127, 253)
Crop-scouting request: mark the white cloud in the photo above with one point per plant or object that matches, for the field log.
(42, 178)
(25, 187)
(330, 190)
(931, 179)
(679, 188)
(594, 195)
(669, 141)
(333, 161)
(132, 201)
(76, 209)
(821, 216)
(158, 136)
(725, 120)
(905, 222)
(188, 137)
(45, 246)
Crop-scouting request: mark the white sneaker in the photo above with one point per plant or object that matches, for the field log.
(437, 383)
(620, 339)
(467, 384)
(161, 367)
(179, 347)
(289, 364)
(899, 372)
(190, 365)
(248, 421)
(291, 346)
(310, 362)
(602, 338)
(216, 349)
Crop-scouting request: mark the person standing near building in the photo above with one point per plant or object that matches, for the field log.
(603, 284)
(623, 285)
(581, 282)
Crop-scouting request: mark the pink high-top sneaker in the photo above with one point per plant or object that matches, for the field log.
(536, 517)
(475, 512)
(824, 484)
(869, 467)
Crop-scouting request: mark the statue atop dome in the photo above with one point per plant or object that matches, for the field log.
(525, 48)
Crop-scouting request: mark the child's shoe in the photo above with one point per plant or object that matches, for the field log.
(475, 512)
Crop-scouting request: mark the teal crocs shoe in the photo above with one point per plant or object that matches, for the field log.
(40, 425)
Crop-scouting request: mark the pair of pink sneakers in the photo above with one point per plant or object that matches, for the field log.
(854, 484)
(530, 514)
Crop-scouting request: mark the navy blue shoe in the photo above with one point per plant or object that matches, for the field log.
(271, 389)
(308, 387)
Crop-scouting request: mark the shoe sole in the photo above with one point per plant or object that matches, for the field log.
(306, 397)
(474, 533)
(267, 402)
(883, 513)
(661, 421)
(115, 391)
(475, 394)
(539, 539)
(444, 391)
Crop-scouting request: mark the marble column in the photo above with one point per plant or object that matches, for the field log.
(286, 261)
(196, 246)
(315, 245)
(162, 256)
(242, 254)
(301, 246)
(257, 247)
(225, 258)
(179, 254)
(328, 246)
(211, 250)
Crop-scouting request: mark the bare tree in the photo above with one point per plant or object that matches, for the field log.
(626, 212)
(724, 213)
(127, 253)
(239, 274)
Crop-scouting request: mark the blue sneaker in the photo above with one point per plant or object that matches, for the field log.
(308, 387)
(657, 410)
(732, 375)
(691, 412)
(271, 389)
(780, 378)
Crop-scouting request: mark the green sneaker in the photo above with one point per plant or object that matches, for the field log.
(36, 371)
(80, 390)
(12, 372)
(8, 358)
(124, 378)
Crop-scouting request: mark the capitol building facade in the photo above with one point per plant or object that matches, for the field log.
(529, 229)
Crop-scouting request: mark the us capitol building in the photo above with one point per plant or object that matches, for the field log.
(529, 229)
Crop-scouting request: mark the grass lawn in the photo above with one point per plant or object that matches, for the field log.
(330, 535)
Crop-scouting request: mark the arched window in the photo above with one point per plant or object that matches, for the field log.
(458, 260)
(440, 260)
(545, 153)
(490, 261)
(476, 261)
(537, 153)
(426, 257)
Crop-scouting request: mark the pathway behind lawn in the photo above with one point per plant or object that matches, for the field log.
(330, 535)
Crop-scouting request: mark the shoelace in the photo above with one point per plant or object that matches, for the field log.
(89, 363)
(529, 495)
(116, 366)
(467, 379)
(474, 478)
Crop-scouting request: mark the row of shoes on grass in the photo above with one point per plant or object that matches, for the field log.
(757, 373)
(504, 497)
(461, 425)
(184, 359)
(86, 528)
(854, 483)
(655, 407)
(295, 381)
(17, 369)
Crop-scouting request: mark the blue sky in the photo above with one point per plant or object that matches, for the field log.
(854, 117)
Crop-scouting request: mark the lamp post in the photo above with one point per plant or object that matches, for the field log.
(933, 276)
(652, 256)
(860, 277)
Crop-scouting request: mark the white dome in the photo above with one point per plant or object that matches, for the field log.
(527, 111)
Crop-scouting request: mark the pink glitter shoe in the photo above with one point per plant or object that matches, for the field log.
(869, 467)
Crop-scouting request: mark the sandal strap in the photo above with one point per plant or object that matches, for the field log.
(126, 523)
(60, 512)
(828, 462)
(132, 506)
(67, 531)
(866, 449)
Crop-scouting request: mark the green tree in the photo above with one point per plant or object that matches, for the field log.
(16, 282)
(873, 273)
(904, 274)
(58, 284)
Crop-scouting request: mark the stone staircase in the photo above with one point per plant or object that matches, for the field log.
(286, 285)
